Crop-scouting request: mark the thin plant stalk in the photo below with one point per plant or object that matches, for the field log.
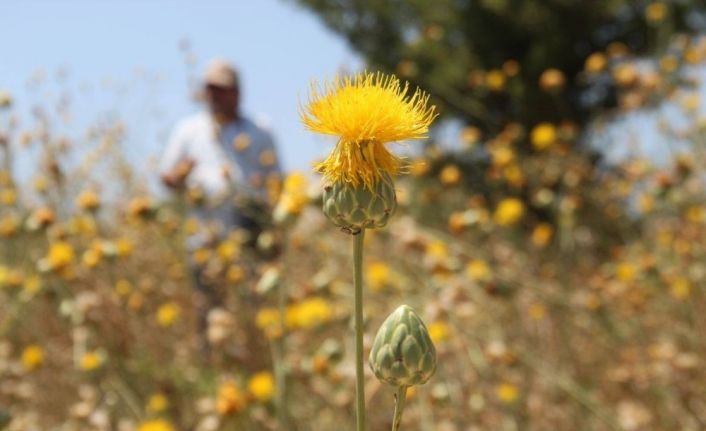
(400, 398)
(280, 353)
(358, 326)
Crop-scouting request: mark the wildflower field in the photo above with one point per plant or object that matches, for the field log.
(561, 290)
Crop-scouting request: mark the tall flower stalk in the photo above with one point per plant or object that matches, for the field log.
(365, 111)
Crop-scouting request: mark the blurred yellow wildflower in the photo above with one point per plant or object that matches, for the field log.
(478, 270)
(157, 403)
(646, 203)
(90, 361)
(294, 192)
(41, 218)
(470, 135)
(269, 321)
(379, 275)
(9, 225)
(450, 175)
(167, 314)
(437, 250)
(507, 392)
(680, 288)
(235, 273)
(32, 284)
(511, 68)
(656, 12)
(537, 311)
(88, 200)
(40, 183)
(509, 211)
(542, 234)
(262, 386)
(32, 357)
(543, 136)
(140, 206)
(123, 247)
(617, 49)
(123, 287)
(83, 225)
(495, 80)
(155, 425)
(625, 271)
(10, 277)
(228, 250)
(8, 197)
(439, 331)
(695, 214)
(309, 313)
(91, 257)
(365, 111)
(201, 255)
(502, 155)
(668, 63)
(625, 74)
(552, 79)
(596, 62)
(61, 254)
(230, 399)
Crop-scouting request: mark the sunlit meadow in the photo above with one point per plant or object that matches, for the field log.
(561, 294)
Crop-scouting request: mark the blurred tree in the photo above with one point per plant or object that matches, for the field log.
(491, 62)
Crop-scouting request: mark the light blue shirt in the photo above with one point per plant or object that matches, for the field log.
(236, 161)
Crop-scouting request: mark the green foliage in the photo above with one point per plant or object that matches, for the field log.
(446, 45)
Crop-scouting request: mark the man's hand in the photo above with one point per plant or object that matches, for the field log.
(176, 178)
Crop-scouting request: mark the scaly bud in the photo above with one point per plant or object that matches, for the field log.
(354, 208)
(403, 353)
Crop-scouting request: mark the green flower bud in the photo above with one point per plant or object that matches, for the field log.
(403, 353)
(354, 208)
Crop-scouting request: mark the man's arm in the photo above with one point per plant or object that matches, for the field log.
(176, 165)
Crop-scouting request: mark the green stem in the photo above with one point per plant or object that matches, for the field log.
(359, 376)
(400, 398)
(280, 352)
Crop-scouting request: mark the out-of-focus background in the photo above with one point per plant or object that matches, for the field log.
(551, 230)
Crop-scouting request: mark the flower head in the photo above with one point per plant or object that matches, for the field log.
(262, 386)
(155, 425)
(365, 111)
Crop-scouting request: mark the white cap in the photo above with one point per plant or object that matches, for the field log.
(221, 73)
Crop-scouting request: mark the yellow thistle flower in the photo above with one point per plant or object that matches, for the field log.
(158, 402)
(478, 270)
(365, 111)
(155, 425)
(379, 275)
(309, 313)
(509, 212)
(60, 255)
(230, 399)
(507, 392)
(167, 314)
(543, 136)
(439, 331)
(32, 357)
(262, 386)
(680, 288)
(90, 361)
(269, 320)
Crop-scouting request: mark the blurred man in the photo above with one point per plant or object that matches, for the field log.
(222, 155)
(224, 160)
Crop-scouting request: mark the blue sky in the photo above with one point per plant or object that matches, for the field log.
(123, 58)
